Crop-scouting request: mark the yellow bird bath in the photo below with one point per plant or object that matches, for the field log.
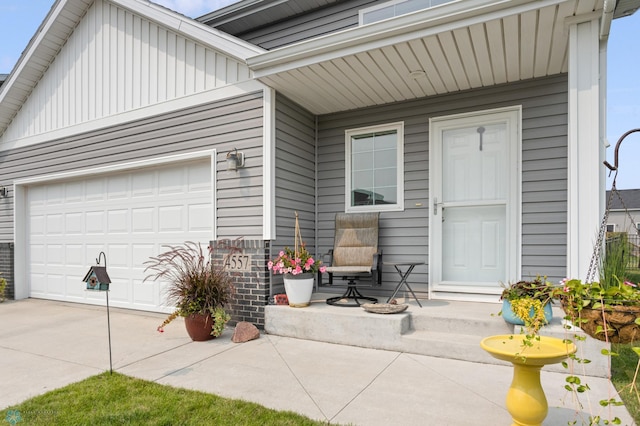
(526, 401)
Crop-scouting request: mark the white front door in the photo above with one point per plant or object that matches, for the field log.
(474, 237)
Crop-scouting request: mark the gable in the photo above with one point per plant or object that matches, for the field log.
(117, 60)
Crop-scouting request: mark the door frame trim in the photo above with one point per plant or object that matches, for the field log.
(514, 213)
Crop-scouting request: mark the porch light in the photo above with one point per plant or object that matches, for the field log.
(4, 192)
(235, 159)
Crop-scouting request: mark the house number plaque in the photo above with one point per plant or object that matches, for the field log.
(238, 262)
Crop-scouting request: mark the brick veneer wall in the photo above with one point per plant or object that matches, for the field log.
(251, 286)
(6, 268)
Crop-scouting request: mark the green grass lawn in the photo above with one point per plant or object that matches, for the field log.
(117, 399)
(623, 367)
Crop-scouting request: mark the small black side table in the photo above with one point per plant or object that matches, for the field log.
(403, 277)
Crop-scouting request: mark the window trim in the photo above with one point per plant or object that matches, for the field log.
(363, 12)
(399, 205)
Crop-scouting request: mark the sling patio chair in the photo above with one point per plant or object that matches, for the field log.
(354, 255)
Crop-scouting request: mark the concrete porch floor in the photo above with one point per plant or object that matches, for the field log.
(440, 328)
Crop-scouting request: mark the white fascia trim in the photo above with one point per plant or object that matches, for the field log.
(233, 46)
(41, 33)
(607, 16)
(385, 33)
(269, 165)
(213, 95)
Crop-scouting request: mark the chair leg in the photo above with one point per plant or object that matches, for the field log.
(352, 293)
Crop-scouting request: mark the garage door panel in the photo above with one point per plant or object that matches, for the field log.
(74, 193)
(143, 184)
(94, 189)
(118, 221)
(37, 225)
(55, 255)
(171, 218)
(55, 224)
(119, 256)
(145, 293)
(55, 194)
(74, 223)
(171, 181)
(130, 216)
(55, 284)
(143, 219)
(38, 284)
(199, 178)
(74, 255)
(118, 187)
(95, 222)
(199, 217)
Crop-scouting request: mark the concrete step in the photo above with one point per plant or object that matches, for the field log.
(445, 329)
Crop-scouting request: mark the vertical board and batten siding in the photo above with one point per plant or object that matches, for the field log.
(404, 234)
(326, 20)
(113, 62)
(295, 175)
(222, 125)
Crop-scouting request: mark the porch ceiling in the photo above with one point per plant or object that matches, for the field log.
(426, 53)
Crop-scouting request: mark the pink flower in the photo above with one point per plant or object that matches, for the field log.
(630, 284)
(270, 264)
(323, 269)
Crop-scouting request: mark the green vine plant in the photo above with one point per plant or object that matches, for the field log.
(3, 288)
(575, 385)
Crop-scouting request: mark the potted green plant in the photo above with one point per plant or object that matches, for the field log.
(528, 303)
(299, 269)
(608, 309)
(197, 287)
(606, 312)
(3, 288)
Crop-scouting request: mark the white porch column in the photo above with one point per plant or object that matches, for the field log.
(586, 176)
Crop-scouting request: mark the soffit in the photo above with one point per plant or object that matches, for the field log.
(486, 44)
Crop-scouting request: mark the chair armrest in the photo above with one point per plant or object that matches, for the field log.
(323, 257)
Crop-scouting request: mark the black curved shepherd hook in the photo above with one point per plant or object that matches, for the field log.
(615, 157)
(102, 255)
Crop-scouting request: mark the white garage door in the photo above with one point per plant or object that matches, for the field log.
(129, 216)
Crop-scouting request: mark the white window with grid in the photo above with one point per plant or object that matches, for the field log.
(375, 168)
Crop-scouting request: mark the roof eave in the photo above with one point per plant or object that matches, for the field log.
(386, 33)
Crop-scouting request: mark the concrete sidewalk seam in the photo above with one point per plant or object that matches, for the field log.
(368, 385)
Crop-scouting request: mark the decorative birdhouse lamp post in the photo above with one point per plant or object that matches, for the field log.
(97, 279)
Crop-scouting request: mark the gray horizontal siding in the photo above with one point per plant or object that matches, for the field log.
(404, 235)
(307, 26)
(223, 125)
(295, 174)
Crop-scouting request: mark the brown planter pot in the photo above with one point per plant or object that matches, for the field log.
(620, 320)
(199, 327)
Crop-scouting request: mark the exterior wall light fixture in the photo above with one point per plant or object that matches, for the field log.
(235, 159)
(4, 192)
